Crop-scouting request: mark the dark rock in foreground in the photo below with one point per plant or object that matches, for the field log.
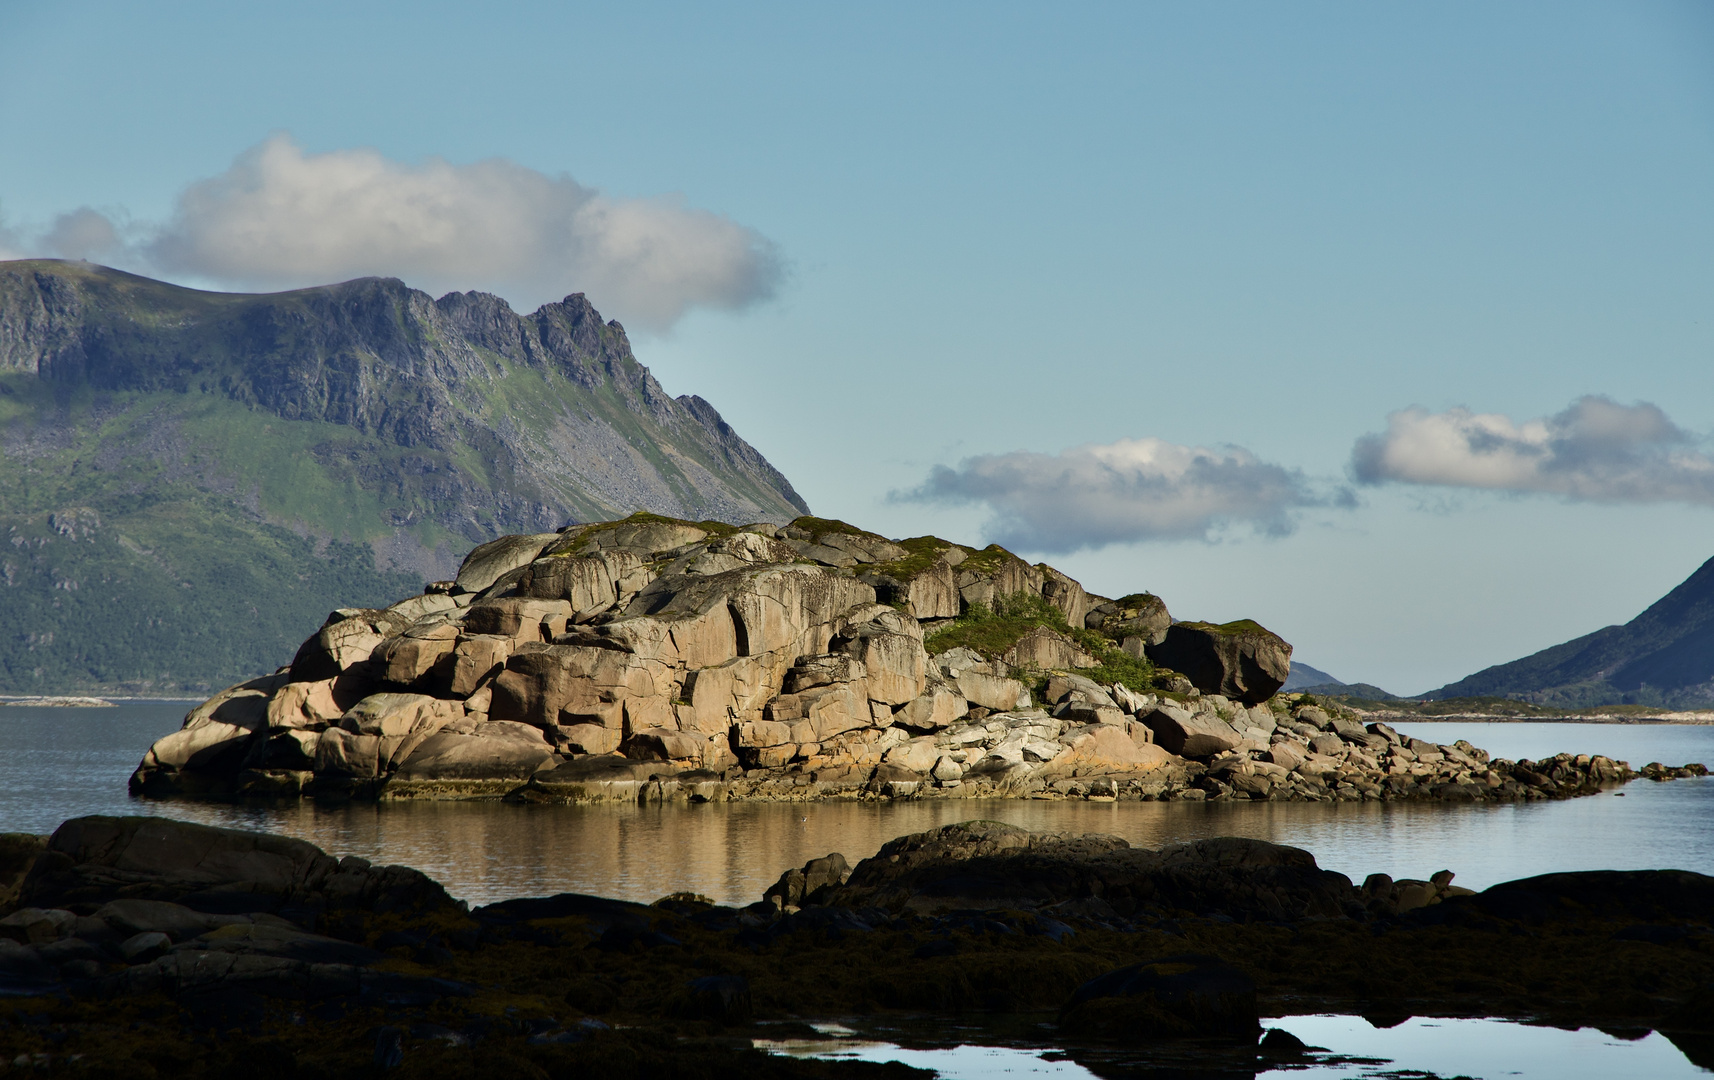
(1175, 997)
(132, 940)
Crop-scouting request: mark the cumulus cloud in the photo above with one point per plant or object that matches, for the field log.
(84, 234)
(280, 218)
(1596, 450)
(1133, 489)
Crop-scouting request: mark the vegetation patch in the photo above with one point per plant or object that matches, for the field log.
(991, 632)
(988, 561)
(1231, 629)
(1135, 600)
(643, 517)
(817, 527)
(924, 552)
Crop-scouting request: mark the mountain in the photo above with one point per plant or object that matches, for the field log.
(1309, 680)
(1663, 657)
(169, 455)
(1303, 675)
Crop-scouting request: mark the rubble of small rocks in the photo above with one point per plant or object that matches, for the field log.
(653, 659)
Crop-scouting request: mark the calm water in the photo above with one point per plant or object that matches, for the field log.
(1439, 1047)
(60, 763)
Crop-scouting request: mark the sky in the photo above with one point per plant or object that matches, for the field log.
(1386, 325)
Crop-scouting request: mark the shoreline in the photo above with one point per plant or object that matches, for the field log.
(1687, 719)
(346, 959)
(88, 701)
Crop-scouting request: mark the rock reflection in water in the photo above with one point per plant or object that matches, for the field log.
(61, 763)
(732, 852)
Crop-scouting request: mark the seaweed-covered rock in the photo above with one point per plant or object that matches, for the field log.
(1183, 996)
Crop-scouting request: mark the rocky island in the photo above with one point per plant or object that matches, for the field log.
(148, 947)
(653, 659)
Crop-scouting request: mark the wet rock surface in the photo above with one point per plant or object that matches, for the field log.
(142, 946)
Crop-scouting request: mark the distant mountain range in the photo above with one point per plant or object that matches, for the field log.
(1309, 680)
(168, 455)
(1663, 658)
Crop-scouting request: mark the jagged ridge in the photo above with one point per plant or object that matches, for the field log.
(181, 427)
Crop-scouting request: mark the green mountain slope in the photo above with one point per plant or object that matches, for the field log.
(1663, 657)
(170, 458)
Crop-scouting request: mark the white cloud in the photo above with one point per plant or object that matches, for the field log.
(1597, 450)
(281, 218)
(83, 234)
(1133, 489)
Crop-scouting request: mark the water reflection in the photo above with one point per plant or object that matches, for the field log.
(60, 763)
(1348, 1048)
(732, 852)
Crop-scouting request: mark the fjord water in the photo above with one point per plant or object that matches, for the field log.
(63, 762)
(1421, 1047)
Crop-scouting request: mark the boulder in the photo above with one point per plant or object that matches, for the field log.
(663, 744)
(589, 739)
(992, 691)
(1066, 595)
(761, 733)
(936, 707)
(347, 638)
(824, 711)
(94, 860)
(1065, 687)
(1141, 615)
(476, 658)
(796, 887)
(520, 618)
(1287, 755)
(346, 754)
(400, 722)
(895, 663)
(550, 684)
(409, 658)
(930, 593)
(213, 741)
(1104, 749)
(283, 749)
(919, 755)
(495, 750)
(644, 538)
(994, 575)
(728, 693)
(1240, 660)
(131, 917)
(591, 584)
(1042, 649)
(1184, 996)
(413, 609)
(1189, 734)
(311, 705)
(35, 926)
(489, 562)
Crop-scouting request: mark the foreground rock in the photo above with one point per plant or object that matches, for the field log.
(140, 945)
(653, 659)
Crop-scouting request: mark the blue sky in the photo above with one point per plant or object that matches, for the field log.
(920, 255)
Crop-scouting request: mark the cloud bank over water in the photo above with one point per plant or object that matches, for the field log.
(1596, 450)
(280, 218)
(1129, 490)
